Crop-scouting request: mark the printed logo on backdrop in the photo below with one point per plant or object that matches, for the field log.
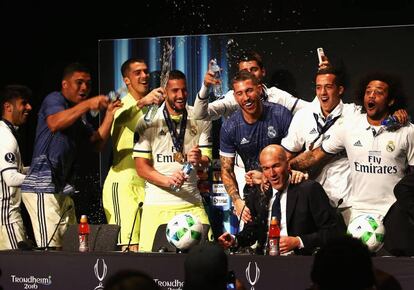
(170, 284)
(99, 276)
(252, 277)
(31, 282)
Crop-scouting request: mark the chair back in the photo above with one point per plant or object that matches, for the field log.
(102, 238)
(161, 243)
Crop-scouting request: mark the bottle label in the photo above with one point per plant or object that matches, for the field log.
(83, 243)
(187, 168)
(274, 247)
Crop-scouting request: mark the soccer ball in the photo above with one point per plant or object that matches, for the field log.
(369, 229)
(184, 231)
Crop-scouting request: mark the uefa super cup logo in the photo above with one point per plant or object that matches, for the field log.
(98, 275)
(253, 280)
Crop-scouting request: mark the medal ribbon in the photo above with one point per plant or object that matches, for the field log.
(178, 139)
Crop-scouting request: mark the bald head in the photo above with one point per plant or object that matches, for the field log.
(275, 166)
(273, 150)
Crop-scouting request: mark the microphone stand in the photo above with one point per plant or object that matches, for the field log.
(54, 232)
(133, 226)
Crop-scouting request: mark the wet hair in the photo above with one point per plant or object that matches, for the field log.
(12, 92)
(131, 280)
(343, 263)
(251, 56)
(70, 69)
(395, 90)
(128, 62)
(339, 75)
(176, 75)
(244, 75)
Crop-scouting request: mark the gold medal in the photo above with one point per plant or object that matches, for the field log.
(179, 157)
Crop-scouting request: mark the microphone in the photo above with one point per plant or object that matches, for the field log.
(140, 204)
(162, 249)
(54, 232)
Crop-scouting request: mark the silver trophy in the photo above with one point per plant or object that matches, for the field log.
(165, 72)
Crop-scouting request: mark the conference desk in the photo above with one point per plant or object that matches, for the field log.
(88, 271)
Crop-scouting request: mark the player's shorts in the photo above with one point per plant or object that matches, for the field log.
(155, 215)
(11, 234)
(121, 196)
(49, 212)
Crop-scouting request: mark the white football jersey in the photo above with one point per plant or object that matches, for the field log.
(11, 176)
(154, 141)
(378, 160)
(303, 131)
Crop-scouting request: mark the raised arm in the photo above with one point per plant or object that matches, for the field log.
(100, 136)
(64, 119)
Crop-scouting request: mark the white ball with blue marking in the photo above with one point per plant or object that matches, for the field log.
(369, 229)
(184, 231)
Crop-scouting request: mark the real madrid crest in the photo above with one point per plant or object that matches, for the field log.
(390, 146)
(271, 132)
(193, 131)
(162, 133)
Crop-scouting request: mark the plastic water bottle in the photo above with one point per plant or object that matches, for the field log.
(83, 231)
(152, 110)
(187, 167)
(274, 237)
(112, 97)
(389, 121)
(217, 89)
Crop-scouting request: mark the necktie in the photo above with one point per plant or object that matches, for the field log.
(322, 128)
(276, 211)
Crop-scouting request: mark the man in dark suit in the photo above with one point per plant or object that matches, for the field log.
(307, 219)
(399, 221)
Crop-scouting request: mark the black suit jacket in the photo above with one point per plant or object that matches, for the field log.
(399, 221)
(309, 216)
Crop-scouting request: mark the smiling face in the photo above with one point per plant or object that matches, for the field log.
(376, 101)
(17, 111)
(247, 95)
(76, 87)
(328, 92)
(176, 96)
(137, 79)
(21, 111)
(275, 166)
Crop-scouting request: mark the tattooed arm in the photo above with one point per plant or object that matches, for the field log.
(309, 159)
(230, 183)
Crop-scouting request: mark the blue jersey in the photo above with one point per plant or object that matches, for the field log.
(247, 140)
(54, 153)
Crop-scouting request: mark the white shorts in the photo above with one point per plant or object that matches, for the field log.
(11, 234)
(49, 213)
